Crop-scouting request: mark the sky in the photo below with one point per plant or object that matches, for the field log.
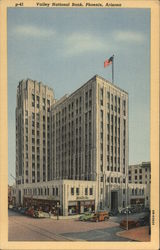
(64, 48)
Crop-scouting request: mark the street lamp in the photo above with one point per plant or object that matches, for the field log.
(127, 218)
(58, 206)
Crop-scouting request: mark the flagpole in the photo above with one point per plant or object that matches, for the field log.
(113, 70)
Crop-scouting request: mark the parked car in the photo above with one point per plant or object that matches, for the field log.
(100, 216)
(131, 224)
(10, 206)
(125, 211)
(38, 214)
(15, 209)
(143, 221)
(19, 209)
(86, 216)
(30, 211)
(113, 212)
(23, 210)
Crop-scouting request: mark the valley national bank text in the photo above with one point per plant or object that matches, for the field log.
(73, 152)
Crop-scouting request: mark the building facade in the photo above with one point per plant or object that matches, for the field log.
(81, 139)
(139, 179)
(33, 132)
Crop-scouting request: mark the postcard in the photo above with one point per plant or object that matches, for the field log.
(79, 124)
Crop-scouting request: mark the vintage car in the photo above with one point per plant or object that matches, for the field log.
(38, 214)
(113, 212)
(100, 216)
(143, 221)
(29, 212)
(86, 216)
(23, 210)
(131, 224)
(10, 206)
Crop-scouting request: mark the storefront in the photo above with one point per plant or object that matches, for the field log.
(138, 201)
(79, 207)
(45, 205)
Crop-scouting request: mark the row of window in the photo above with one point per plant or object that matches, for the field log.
(137, 170)
(140, 177)
(41, 191)
(77, 191)
(137, 191)
(113, 98)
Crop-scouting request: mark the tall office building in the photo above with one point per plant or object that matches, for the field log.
(82, 143)
(90, 137)
(34, 101)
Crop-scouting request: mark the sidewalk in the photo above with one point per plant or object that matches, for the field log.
(137, 234)
(69, 217)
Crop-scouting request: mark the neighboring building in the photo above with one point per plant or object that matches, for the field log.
(139, 179)
(11, 195)
(81, 143)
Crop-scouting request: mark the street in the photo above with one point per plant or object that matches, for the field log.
(23, 228)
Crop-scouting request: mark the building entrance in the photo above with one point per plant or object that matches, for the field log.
(114, 200)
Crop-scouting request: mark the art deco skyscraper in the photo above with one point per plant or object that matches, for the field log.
(90, 138)
(34, 102)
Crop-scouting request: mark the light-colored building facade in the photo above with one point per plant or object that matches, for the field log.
(83, 140)
(34, 101)
(139, 179)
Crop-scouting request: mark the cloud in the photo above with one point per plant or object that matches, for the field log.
(128, 36)
(78, 43)
(33, 31)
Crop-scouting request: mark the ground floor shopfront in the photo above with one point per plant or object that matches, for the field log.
(74, 207)
(42, 204)
(79, 207)
(137, 201)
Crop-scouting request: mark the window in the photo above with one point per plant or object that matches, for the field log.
(72, 191)
(33, 97)
(86, 191)
(101, 96)
(91, 191)
(77, 191)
